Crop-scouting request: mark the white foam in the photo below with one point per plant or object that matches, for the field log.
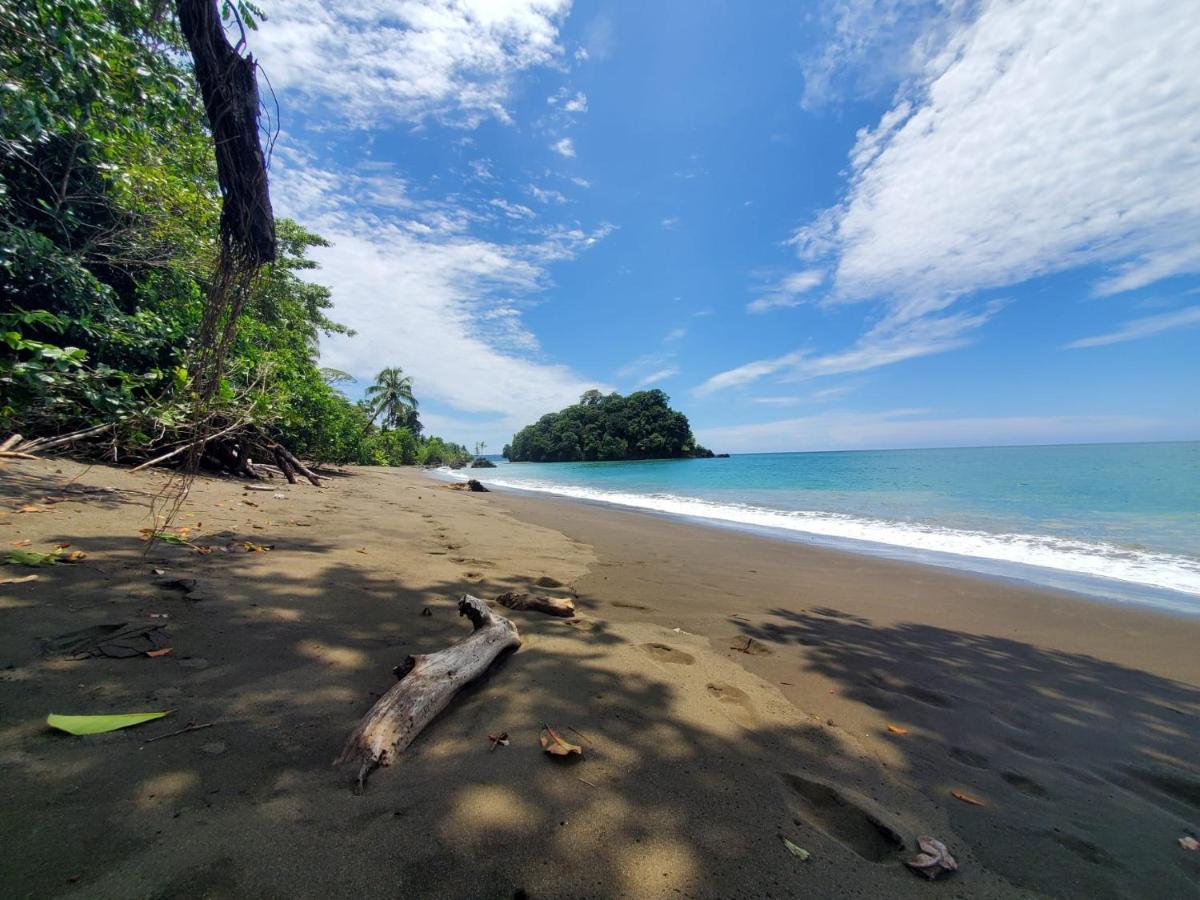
(1161, 571)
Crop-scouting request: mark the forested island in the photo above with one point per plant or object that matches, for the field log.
(608, 427)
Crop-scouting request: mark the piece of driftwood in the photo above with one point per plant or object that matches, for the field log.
(287, 456)
(427, 683)
(551, 606)
(11, 441)
(196, 443)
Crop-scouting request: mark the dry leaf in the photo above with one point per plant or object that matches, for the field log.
(934, 858)
(163, 651)
(1187, 842)
(897, 729)
(21, 580)
(498, 740)
(76, 556)
(554, 744)
(967, 798)
(22, 542)
(30, 508)
(252, 547)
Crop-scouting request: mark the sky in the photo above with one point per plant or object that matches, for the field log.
(839, 225)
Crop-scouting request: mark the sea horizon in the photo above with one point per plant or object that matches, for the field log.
(1111, 520)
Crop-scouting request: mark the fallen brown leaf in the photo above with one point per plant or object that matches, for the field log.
(75, 555)
(555, 745)
(897, 729)
(967, 798)
(163, 651)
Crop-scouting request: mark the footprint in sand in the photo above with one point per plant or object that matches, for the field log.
(472, 576)
(666, 654)
(969, 758)
(1024, 784)
(623, 605)
(832, 813)
(735, 702)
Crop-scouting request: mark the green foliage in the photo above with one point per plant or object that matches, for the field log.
(109, 209)
(640, 426)
(392, 396)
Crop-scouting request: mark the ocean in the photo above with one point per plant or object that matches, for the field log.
(1115, 521)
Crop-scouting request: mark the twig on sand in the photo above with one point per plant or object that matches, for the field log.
(588, 783)
(580, 733)
(180, 731)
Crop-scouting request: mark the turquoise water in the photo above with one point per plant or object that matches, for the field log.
(1115, 520)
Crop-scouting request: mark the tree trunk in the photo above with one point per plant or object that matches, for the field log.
(427, 685)
(551, 606)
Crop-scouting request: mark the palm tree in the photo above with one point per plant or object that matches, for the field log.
(392, 395)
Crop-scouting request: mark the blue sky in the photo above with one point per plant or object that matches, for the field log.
(870, 223)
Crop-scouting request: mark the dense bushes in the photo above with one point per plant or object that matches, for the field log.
(109, 208)
(640, 426)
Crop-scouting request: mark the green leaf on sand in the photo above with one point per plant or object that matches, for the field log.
(795, 849)
(32, 558)
(100, 724)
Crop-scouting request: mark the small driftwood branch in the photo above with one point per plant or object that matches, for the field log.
(551, 606)
(43, 444)
(427, 685)
(11, 441)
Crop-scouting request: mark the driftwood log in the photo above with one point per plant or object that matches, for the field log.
(551, 606)
(427, 683)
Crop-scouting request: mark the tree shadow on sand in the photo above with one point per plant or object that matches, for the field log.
(679, 792)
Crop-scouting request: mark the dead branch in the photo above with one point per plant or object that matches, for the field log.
(427, 685)
(188, 446)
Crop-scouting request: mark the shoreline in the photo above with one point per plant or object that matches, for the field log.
(729, 690)
(1099, 588)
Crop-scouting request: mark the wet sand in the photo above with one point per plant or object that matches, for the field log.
(728, 690)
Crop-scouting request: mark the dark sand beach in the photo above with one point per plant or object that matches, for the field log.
(728, 690)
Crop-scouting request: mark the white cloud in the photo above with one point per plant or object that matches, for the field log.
(577, 103)
(872, 44)
(674, 334)
(657, 376)
(543, 195)
(889, 342)
(1040, 137)
(788, 291)
(512, 210)
(851, 430)
(670, 223)
(482, 169)
(1142, 328)
(564, 147)
(746, 374)
(437, 301)
(375, 60)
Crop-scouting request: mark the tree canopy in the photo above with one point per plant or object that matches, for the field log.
(598, 427)
(109, 216)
